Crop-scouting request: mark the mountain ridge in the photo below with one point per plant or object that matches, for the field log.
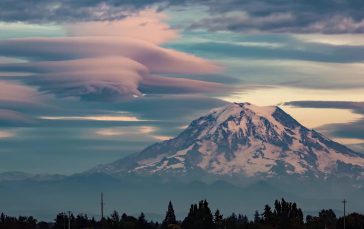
(127, 190)
(245, 140)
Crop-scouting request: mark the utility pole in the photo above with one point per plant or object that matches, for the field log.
(102, 206)
(69, 219)
(344, 202)
(64, 220)
(102, 210)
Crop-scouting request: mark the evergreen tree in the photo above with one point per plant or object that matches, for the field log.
(129, 222)
(231, 221)
(115, 217)
(43, 225)
(207, 216)
(61, 221)
(352, 221)
(327, 219)
(243, 221)
(312, 222)
(199, 217)
(267, 215)
(142, 223)
(81, 221)
(187, 223)
(170, 218)
(2, 218)
(218, 219)
(114, 220)
(257, 217)
(287, 215)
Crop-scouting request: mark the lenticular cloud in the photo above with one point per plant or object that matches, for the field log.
(106, 67)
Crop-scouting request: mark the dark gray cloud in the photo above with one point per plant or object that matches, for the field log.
(357, 107)
(343, 130)
(45, 11)
(348, 130)
(302, 16)
(291, 49)
(357, 147)
(282, 59)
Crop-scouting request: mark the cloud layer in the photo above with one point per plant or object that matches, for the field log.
(302, 16)
(116, 65)
(104, 67)
(146, 25)
(354, 130)
(45, 80)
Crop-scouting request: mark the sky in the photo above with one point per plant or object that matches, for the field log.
(89, 82)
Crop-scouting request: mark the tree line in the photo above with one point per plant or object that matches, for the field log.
(283, 215)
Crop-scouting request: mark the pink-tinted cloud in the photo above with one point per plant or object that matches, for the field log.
(147, 25)
(16, 93)
(105, 78)
(10, 117)
(13, 96)
(109, 60)
(6, 134)
(155, 58)
(182, 85)
(93, 78)
(104, 67)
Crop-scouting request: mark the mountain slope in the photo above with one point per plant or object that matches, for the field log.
(243, 140)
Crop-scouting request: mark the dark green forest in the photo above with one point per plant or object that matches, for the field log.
(282, 215)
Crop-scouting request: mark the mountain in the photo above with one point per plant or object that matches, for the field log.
(239, 157)
(243, 140)
(21, 176)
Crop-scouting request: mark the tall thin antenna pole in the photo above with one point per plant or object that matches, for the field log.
(344, 202)
(102, 206)
(69, 220)
(102, 210)
(64, 220)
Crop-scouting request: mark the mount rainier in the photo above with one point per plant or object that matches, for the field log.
(245, 140)
(238, 157)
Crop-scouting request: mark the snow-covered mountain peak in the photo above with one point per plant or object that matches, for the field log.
(239, 109)
(235, 109)
(243, 119)
(242, 139)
